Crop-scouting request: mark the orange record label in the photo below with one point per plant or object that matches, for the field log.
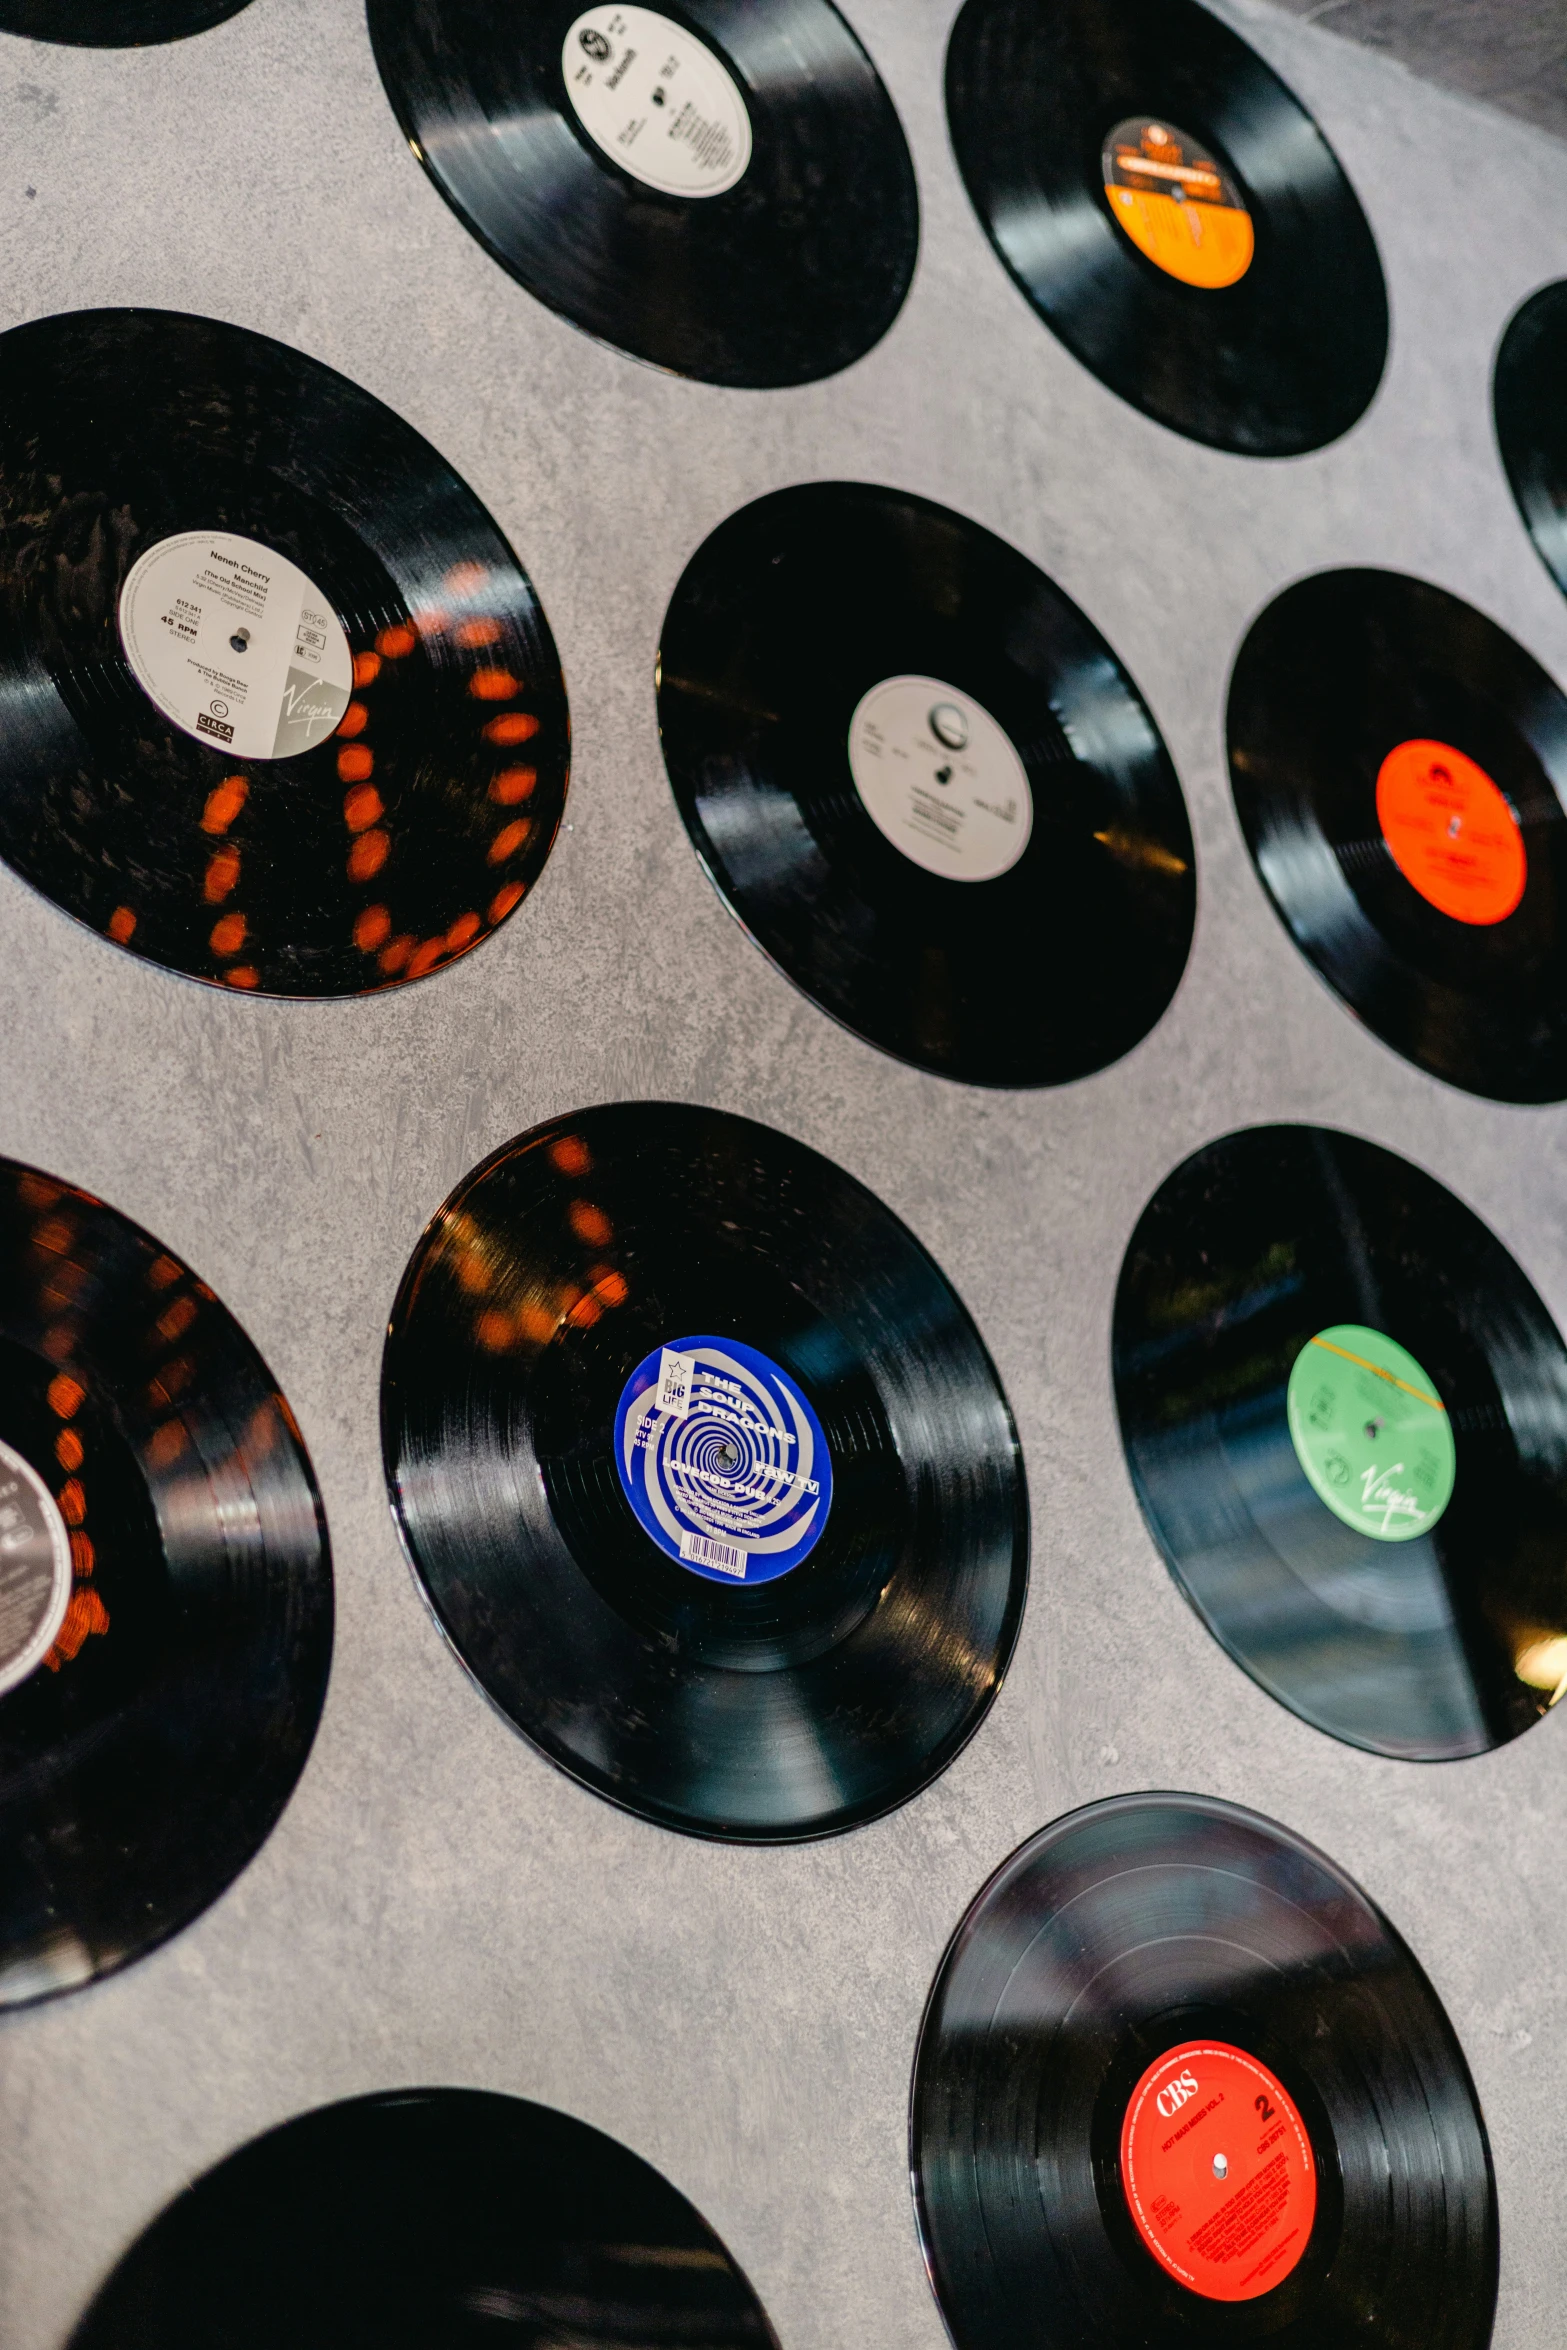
(1452, 835)
(1176, 203)
(1217, 2171)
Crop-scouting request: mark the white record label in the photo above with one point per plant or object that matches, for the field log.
(654, 97)
(940, 779)
(35, 1569)
(236, 645)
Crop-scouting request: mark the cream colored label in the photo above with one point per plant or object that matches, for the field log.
(656, 98)
(35, 1569)
(940, 778)
(236, 645)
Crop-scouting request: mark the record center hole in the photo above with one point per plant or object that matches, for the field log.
(240, 640)
(726, 1460)
(1221, 2166)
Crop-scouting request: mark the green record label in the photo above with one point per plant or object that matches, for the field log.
(1371, 1433)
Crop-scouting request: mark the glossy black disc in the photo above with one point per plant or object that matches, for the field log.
(401, 839)
(1431, 1647)
(731, 1706)
(1144, 1924)
(428, 2219)
(1426, 887)
(146, 1756)
(1531, 423)
(785, 624)
(786, 275)
(1282, 359)
(114, 24)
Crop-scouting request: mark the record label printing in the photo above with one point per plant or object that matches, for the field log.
(1451, 833)
(1217, 2168)
(723, 1460)
(940, 779)
(657, 101)
(1177, 204)
(36, 1576)
(1371, 1434)
(236, 644)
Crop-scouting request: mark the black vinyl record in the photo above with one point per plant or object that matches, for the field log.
(1398, 761)
(114, 24)
(926, 786)
(165, 1592)
(767, 1602)
(1531, 421)
(1297, 1310)
(428, 2219)
(718, 188)
(1178, 1939)
(167, 484)
(1250, 313)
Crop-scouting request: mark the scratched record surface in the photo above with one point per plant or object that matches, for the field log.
(719, 189)
(165, 1592)
(926, 786)
(428, 2219)
(1531, 424)
(1397, 761)
(1345, 1412)
(1179, 2082)
(114, 24)
(282, 710)
(705, 1472)
(1174, 215)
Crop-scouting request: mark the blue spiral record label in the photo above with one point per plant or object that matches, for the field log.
(723, 1460)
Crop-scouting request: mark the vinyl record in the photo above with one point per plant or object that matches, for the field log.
(719, 188)
(282, 710)
(1397, 763)
(1531, 422)
(1173, 213)
(1345, 1413)
(428, 2219)
(925, 785)
(114, 24)
(1180, 2083)
(705, 1472)
(165, 1592)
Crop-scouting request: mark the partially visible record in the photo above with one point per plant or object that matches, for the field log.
(1173, 213)
(926, 786)
(1398, 764)
(428, 2219)
(720, 189)
(705, 1472)
(1345, 1412)
(1531, 421)
(165, 1592)
(1180, 2082)
(283, 711)
(114, 24)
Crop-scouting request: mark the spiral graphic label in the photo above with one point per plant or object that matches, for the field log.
(723, 1460)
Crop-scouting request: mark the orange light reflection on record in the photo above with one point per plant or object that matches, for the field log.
(362, 807)
(225, 803)
(372, 928)
(368, 854)
(516, 726)
(66, 1397)
(506, 901)
(513, 784)
(509, 840)
(122, 925)
(69, 1450)
(571, 1155)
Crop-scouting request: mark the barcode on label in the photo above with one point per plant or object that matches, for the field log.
(699, 1551)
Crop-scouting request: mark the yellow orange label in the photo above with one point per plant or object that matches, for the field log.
(1177, 203)
(1450, 832)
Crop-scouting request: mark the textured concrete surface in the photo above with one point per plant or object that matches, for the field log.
(1513, 53)
(438, 1905)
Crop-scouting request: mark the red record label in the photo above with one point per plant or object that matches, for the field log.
(1452, 835)
(1217, 2171)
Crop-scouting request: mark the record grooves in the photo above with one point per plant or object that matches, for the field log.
(146, 1753)
(1318, 2167)
(326, 809)
(1283, 348)
(705, 1472)
(1531, 430)
(926, 786)
(1398, 763)
(747, 217)
(1345, 1412)
(114, 24)
(427, 2217)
